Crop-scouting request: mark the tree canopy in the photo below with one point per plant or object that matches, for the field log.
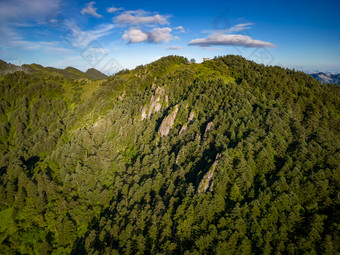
(249, 162)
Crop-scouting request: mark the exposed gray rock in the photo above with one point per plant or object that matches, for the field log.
(168, 122)
(190, 119)
(191, 116)
(155, 103)
(208, 127)
(207, 181)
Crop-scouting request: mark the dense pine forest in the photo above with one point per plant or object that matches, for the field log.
(223, 157)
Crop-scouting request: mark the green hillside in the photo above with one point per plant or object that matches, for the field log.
(7, 68)
(223, 157)
(69, 73)
(95, 74)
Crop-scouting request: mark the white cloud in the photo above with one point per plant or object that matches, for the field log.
(135, 36)
(91, 10)
(113, 9)
(180, 29)
(224, 37)
(156, 35)
(174, 48)
(140, 17)
(228, 39)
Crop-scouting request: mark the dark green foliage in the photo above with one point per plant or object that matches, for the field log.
(92, 177)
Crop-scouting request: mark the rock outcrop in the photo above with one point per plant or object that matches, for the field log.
(190, 119)
(168, 122)
(156, 102)
(208, 127)
(207, 181)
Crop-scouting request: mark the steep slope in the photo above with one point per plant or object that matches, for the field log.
(7, 68)
(224, 157)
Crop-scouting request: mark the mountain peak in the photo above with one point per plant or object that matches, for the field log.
(94, 74)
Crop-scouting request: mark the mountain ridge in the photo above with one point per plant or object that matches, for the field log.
(67, 73)
(326, 78)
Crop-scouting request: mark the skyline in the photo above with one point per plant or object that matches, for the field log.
(111, 36)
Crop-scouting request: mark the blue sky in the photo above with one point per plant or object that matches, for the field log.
(110, 35)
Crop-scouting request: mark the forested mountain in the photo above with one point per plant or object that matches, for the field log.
(223, 157)
(327, 78)
(7, 68)
(94, 74)
(68, 73)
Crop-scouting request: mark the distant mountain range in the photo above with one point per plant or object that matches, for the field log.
(327, 78)
(69, 73)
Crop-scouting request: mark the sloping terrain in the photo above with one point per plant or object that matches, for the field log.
(94, 74)
(223, 157)
(69, 73)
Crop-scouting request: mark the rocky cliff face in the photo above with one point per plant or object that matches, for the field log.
(168, 122)
(185, 126)
(208, 182)
(156, 102)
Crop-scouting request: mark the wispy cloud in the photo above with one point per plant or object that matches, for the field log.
(224, 37)
(156, 35)
(140, 17)
(210, 48)
(81, 39)
(113, 9)
(91, 10)
(233, 29)
(239, 27)
(13, 40)
(174, 48)
(67, 61)
(180, 29)
(22, 14)
(48, 47)
(19, 10)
